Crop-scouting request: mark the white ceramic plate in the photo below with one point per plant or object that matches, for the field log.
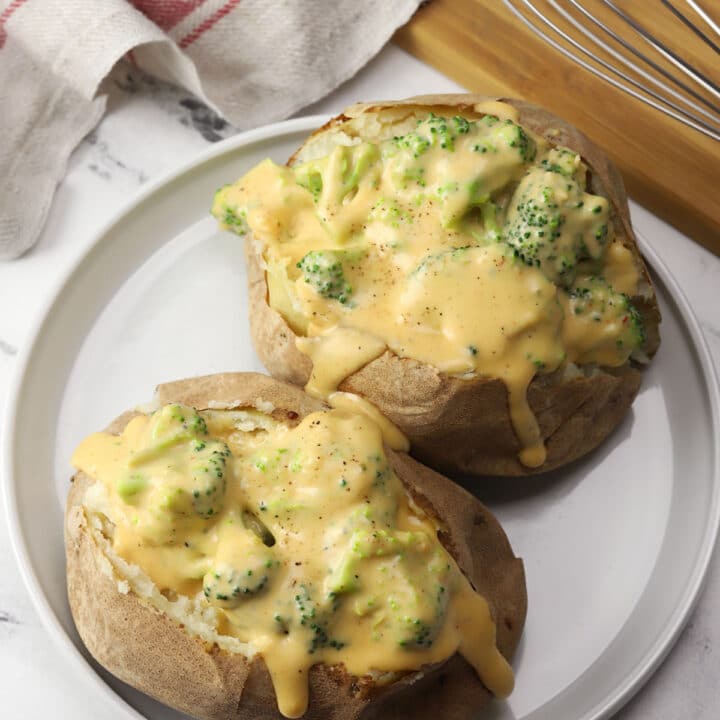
(615, 547)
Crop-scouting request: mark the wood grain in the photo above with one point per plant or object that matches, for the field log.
(670, 169)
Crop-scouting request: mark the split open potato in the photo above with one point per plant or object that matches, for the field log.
(215, 562)
(374, 263)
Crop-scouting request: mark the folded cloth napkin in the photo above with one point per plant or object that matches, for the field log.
(253, 61)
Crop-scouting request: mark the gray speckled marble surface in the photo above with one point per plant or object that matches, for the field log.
(150, 128)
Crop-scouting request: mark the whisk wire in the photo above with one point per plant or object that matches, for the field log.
(549, 31)
(666, 52)
(690, 25)
(704, 16)
(628, 63)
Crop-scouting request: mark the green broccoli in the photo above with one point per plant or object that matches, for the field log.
(131, 484)
(208, 476)
(416, 614)
(416, 633)
(229, 217)
(487, 134)
(200, 490)
(176, 422)
(227, 585)
(390, 212)
(365, 544)
(324, 271)
(235, 221)
(316, 620)
(548, 225)
(593, 299)
(515, 137)
(433, 131)
(480, 181)
(335, 179)
(309, 177)
(562, 161)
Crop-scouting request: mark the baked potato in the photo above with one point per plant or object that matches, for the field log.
(164, 601)
(466, 264)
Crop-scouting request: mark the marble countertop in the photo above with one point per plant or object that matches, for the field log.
(149, 129)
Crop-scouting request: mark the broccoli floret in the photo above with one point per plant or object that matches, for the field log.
(473, 184)
(417, 633)
(489, 132)
(636, 326)
(410, 608)
(208, 479)
(200, 490)
(413, 142)
(243, 566)
(235, 221)
(324, 271)
(416, 613)
(315, 619)
(336, 178)
(517, 138)
(359, 162)
(365, 544)
(593, 300)
(494, 133)
(310, 178)
(551, 226)
(562, 161)
(229, 217)
(433, 131)
(390, 212)
(130, 485)
(533, 231)
(195, 424)
(176, 422)
(228, 584)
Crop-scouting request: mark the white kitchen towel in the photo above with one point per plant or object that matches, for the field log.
(254, 61)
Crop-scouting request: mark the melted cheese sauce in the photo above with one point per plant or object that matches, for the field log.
(392, 436)
(458, 244)
(620, 270)
(303, 539)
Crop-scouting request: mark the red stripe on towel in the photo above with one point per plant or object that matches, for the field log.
(5, 16)
(206, 24)
(166, 14)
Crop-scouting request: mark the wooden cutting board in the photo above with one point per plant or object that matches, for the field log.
(672, 170)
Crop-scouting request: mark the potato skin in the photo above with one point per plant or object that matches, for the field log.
(463, 425)
(148, 650)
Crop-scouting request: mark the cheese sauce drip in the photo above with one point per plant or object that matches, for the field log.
(302, 538)
(459, 243)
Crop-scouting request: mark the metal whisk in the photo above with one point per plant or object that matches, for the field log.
(608, 45)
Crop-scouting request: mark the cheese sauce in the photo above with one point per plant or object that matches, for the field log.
(458, 243)
(302, 538)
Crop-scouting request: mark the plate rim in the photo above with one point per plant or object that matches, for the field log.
(644, 669)
(670, 634)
